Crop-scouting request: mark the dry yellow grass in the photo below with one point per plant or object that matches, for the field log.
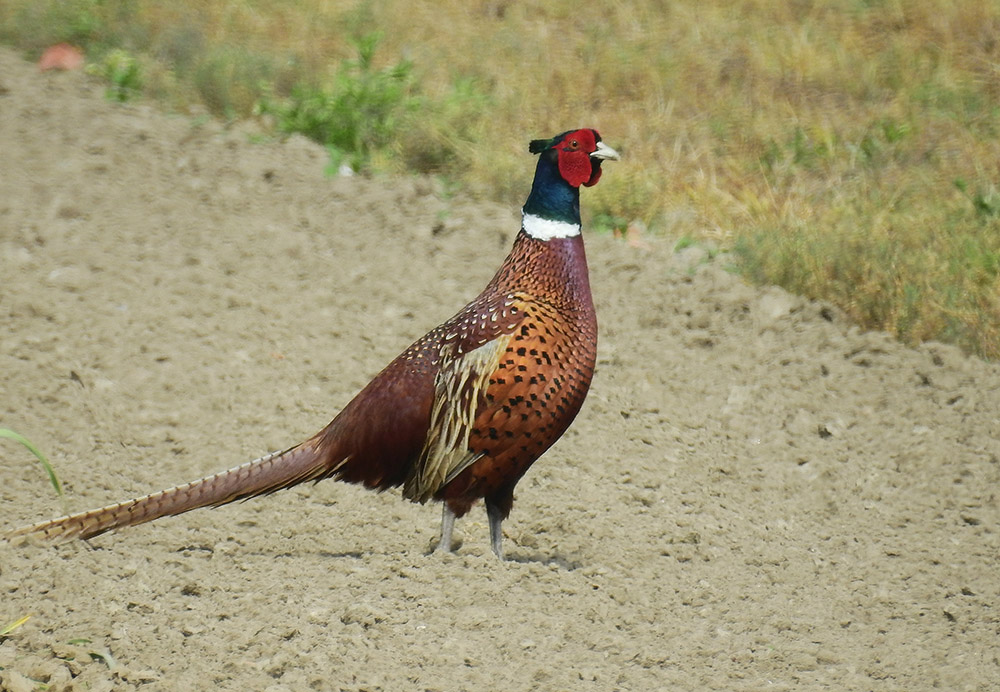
(847, 150)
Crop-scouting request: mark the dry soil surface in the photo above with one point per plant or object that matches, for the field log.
(756, 496)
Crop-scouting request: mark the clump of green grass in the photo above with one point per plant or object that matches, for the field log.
(821, 141)
(123, 74)
(357, 114)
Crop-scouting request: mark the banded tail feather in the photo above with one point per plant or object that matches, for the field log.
(259, 477)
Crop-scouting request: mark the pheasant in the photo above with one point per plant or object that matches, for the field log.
(466, 409)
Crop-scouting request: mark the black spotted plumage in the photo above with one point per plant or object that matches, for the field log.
(462, 413)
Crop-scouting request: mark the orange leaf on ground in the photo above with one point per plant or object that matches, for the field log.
(61, 56)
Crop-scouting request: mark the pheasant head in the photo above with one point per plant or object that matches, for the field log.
(565, 162)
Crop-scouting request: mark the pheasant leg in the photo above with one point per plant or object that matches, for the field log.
(447, 526)
(495, 516)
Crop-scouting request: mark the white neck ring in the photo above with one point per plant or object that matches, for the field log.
(546, 229)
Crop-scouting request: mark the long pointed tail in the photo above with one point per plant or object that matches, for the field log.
(301, 463)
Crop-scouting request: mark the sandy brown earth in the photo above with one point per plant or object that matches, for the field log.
(756, 496)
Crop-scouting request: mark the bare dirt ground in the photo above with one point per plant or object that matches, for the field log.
(756, 496)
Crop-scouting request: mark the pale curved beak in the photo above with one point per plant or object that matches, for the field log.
(605, 153)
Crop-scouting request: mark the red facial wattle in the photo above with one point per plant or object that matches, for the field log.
(575, 163)
(595, 173)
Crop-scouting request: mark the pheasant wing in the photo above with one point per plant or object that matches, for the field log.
(472, 347)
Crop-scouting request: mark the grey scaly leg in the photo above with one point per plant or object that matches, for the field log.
(447, 526)
(496, 535)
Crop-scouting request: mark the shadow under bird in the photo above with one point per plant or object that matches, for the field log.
(464, 411)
